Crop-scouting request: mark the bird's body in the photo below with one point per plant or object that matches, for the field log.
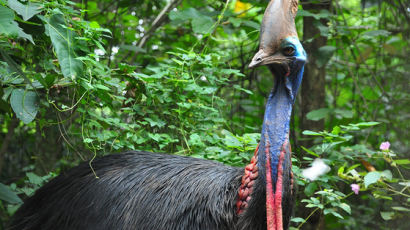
(139, 190)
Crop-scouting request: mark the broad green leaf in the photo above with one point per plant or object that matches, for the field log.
(376, 33)
(310, 189)
(310, 152)
(387, 215)
(9, 27)
(242, 89)
(353, 167)
(231, 140)
(401, 209)
(34, 179)
(87, 140)
(95, 25)
(297, 220)
(63, 42)
(235, 72)
(402, 161)
(155, 122)
(371, 178)
(341, 170)
(333, 212)
(344, 113)
(407, 183)
(156, 137)
(6, 22)
(24, 105)
(103, 87)
(336, 130)
(345, 207)
(318, 114)
(9, 196)
(26, 11)
(202, 24)
(311, 133)
(183, 15)
(236, 22)
(367, 124)
(387, 174)
(195, 140)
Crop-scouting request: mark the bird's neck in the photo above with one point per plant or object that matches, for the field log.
(271, 161)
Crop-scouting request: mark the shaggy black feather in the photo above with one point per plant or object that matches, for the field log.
(142, 190)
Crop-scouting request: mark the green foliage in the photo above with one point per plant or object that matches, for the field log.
(62, 39)
(9, 27)
(350, 164)
(24, 105)
(7, 195)
(27, 11)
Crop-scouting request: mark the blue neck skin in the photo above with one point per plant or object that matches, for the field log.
(275, 126)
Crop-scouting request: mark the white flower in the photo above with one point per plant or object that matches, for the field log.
(154, 47)
(319, 167)
(115, 49)
(203, 78)
(140, 21)
(99, 52)
(140, 28)
(133, 13)
(134, 43)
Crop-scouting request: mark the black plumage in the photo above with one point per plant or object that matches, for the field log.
(143, 190)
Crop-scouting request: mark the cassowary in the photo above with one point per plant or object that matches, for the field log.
(142, 190)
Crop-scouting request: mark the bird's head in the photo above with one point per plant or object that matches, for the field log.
(280, 48)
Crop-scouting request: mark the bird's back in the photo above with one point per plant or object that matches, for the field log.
(136, 190)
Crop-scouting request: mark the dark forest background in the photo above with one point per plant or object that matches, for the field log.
(82, 79)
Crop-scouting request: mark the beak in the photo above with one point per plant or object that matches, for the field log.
(261, 58)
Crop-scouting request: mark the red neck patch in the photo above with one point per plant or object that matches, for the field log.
(248, 180)
(273, 200)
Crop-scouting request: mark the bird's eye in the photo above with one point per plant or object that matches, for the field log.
(288, 51)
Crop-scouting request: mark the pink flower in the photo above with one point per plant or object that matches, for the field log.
(385, 145)
(355, 188)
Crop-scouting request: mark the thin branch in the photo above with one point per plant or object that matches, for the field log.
(156, 24)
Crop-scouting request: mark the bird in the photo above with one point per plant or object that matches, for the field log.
(145, 190)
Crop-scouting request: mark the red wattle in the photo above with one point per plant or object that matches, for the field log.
(248, 180)
(270, 200)
(278, 193)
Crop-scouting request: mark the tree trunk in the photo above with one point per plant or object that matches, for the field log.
(313, 86)
(313, 89)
